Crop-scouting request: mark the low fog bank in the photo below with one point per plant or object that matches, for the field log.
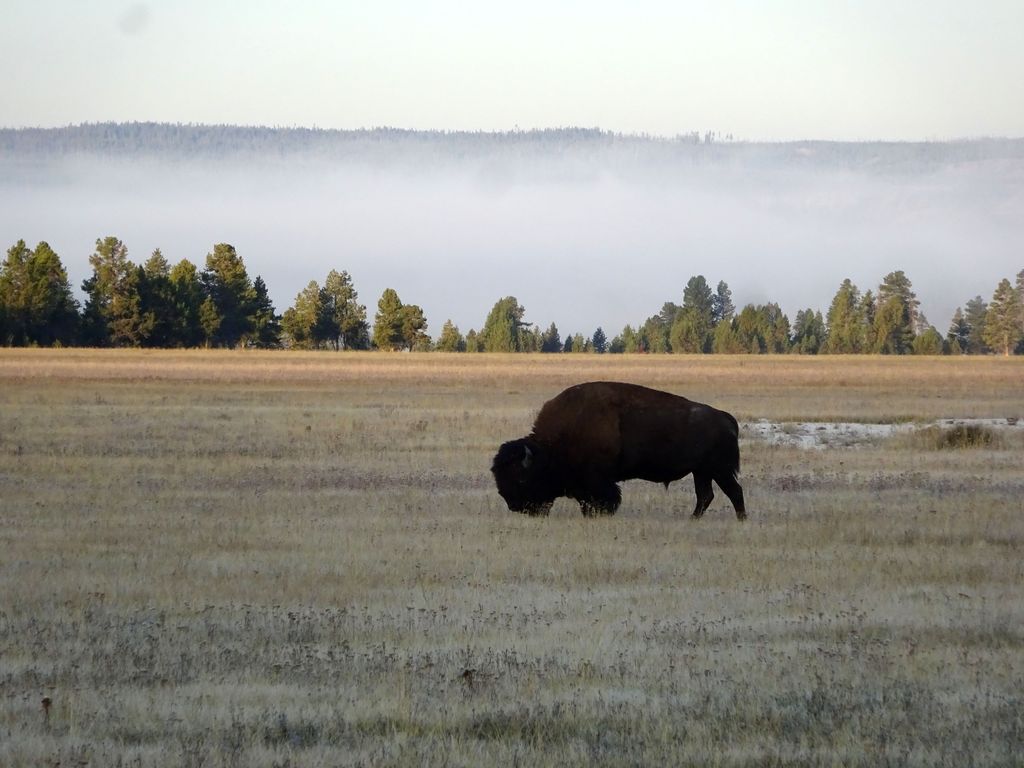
(583, 234)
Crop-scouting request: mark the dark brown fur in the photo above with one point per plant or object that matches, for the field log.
(592, 436)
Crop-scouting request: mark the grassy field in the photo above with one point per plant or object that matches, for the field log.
(271, 559)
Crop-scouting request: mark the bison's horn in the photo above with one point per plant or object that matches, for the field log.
(527, 457)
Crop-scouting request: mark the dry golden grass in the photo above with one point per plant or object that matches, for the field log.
(777, 387)
(212, 558)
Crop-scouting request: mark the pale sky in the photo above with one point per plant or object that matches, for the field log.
(873, 69)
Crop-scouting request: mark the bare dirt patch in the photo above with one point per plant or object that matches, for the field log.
(828, 434)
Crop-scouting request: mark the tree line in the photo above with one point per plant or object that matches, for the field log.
(155, 304)
(388, 145)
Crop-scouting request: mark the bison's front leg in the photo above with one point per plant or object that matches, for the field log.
(538, 510)
(600, 499)
(593, 509)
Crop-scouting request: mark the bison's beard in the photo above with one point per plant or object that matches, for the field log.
(520, 497)
(526, 506)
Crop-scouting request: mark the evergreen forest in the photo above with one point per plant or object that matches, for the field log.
(218, 304)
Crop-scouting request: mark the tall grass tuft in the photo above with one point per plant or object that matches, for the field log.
(957, 437)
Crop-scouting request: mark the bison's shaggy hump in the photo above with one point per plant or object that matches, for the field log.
(592, 436)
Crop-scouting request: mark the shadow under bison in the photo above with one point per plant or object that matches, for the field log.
(594, 435)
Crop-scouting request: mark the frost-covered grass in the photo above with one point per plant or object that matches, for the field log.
(271, 559)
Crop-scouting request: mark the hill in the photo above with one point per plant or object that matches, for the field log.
(168, 141)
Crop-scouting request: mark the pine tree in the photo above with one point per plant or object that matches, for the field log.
(387, 323)
(846, 321)
(112, 313)
(450, 339)
(1002, 321)
(898, 284)
(656, 333)
(55, 309)
(550, 341)
(326, 332)
(959, 333)
(868, 308)
(762, 329)
(630, 340)
(209, 320)
(414, 329)
(265, 322)
(722, 307)
(128, 324)
(889, 332)
(529, 338)
(302, 320)
(726, 340)
(599, 341)
(699, 303)
(349, 316)
(501, 329)
(776, 329)
(131, 323)
(688, 332)
(929, 342)
(975, 313)
(668, 313)
(809, 332)
(697, 296)
(227, 283)
(897, 320)
(1020, 298)
(187, 296)
(157, 299)
(750, 330)
(36, 298)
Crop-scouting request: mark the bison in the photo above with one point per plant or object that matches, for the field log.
(591, 436)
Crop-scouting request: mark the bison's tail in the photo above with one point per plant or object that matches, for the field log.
(735, 459)
(734, 447)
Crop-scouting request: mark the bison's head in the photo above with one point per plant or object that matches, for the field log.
(521, 473)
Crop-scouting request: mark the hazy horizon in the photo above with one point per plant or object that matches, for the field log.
(583, 234)
(719, 136)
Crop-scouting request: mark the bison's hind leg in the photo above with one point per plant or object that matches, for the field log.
(705, 494)
(734, 491)
(601, 499)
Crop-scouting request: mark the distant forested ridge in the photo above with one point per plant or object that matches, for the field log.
(206, 142)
